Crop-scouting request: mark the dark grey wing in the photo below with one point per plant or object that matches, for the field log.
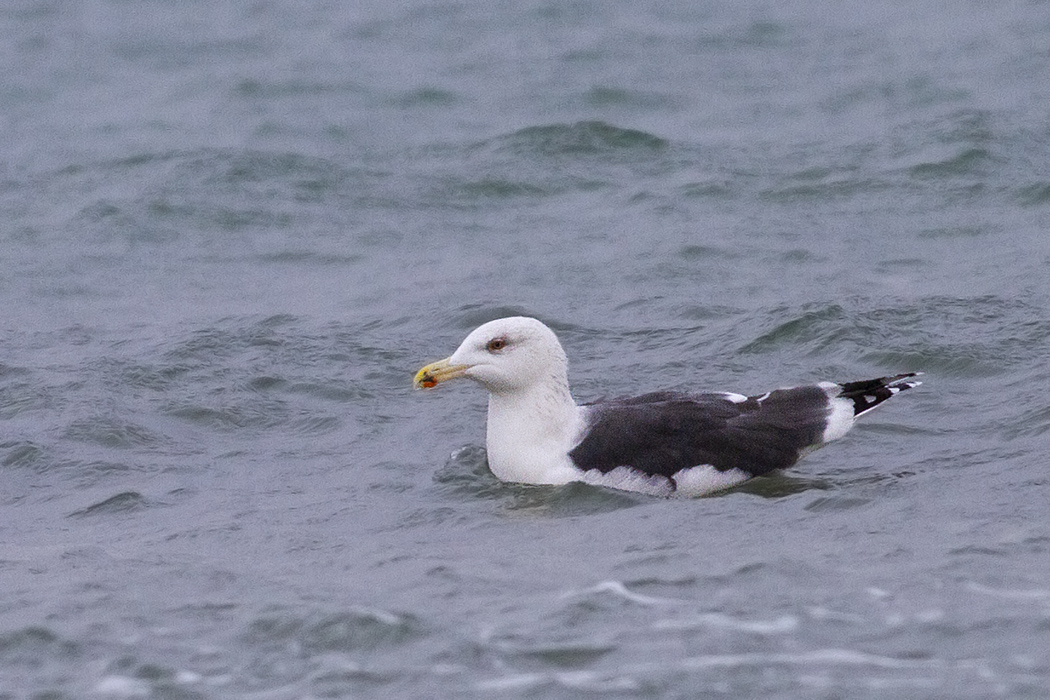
(665, 433)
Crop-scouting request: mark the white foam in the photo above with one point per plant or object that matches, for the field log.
(618, 589)
(122, 687)
(781, 625)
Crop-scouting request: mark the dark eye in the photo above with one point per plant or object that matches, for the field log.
(496, 344)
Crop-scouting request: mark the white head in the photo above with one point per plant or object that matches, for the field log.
(507, 355)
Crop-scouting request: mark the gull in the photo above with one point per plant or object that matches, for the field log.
(662, 443)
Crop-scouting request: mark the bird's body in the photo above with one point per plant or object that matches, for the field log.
(661, 443)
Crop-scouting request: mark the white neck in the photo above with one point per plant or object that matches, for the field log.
(530, 432)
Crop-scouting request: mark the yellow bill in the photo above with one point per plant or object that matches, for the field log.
(437, 372)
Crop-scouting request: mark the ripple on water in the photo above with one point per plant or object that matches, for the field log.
(30, 646)
(121, 503)
(111, 432)
(580, 138)
(333, 652)
(37, 657)
(518, 165)
(20, 453)
(356, 629)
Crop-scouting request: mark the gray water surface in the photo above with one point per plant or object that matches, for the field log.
(233, 231)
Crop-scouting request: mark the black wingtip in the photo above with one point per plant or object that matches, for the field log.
(869, 393)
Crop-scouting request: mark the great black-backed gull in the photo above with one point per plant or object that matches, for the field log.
(664, 443)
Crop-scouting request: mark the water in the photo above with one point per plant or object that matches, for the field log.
(232, 232)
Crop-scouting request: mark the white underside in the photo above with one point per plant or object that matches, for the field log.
(705, 479)
(701, 480)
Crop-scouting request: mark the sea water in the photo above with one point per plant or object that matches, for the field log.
(231, 232)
